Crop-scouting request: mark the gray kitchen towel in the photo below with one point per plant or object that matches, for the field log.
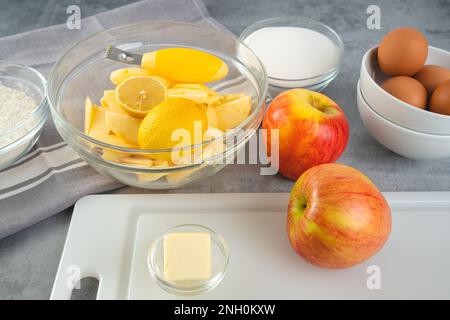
(52, 177)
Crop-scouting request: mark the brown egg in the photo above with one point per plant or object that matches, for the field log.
(408, 90)
(431, 76)
(440, 99)
(403, 52)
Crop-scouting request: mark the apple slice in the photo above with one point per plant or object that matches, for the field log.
(215, 100)
(197, 96)
(96, 117)
(211, 115)
(232, 114)
(124, 126)
(150, 177)
(212, 133)
(103, 103)
(120, 75)
(208, 152)
(137, 161)
(89, 115)
(113, 155)
(196, 86)
(109, 99)
(232, 96)
(100, 131)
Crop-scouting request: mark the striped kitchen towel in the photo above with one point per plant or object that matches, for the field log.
(52, 177)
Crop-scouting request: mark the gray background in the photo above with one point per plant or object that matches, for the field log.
(29, 259)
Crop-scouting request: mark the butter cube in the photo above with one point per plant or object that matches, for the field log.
(187, 256)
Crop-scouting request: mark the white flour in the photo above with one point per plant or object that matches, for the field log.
(293, 53)
(15, 106)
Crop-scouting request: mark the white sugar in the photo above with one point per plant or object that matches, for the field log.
(293, 53)
(15, 106)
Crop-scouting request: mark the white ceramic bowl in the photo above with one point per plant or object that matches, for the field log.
(394, 109)
(405, 142)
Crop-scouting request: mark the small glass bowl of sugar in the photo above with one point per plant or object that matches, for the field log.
(297, 52)
(23, 111)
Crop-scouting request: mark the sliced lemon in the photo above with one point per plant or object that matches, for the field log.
(138, 95)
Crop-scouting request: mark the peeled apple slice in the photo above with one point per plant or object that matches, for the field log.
(185, 65)
(119, 76)
(232, 96)
(114, 141)
(103, 103)
(166, 82)
(208, 152)
(100, 131)
(214, 100)
(112, 155)
(96, 117)
(215, 147)
(212, 133)
(137, 161)
(194, 95)
(180, 176)
(150, 177)
(89, 115)
(109, 101)
(123, 126)
(196, 86)
(233, 113)
(211, 114)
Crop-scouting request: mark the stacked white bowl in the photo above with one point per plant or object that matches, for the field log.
(406, 130)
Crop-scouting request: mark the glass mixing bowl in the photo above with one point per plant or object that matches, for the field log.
(83, 71)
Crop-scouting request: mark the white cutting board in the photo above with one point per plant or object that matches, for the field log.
(110, 235)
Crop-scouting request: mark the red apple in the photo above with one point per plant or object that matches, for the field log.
(337, 217)
(312, 128)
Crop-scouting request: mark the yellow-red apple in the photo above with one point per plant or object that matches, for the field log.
(337, 217)
(312, 128)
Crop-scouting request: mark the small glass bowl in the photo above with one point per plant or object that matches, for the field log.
(315, 83)
(219, 262)
(16, 142)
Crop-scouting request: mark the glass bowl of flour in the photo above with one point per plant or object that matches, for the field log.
(23, 111)
(297, 52)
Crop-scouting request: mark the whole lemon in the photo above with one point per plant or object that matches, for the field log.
(173, 123)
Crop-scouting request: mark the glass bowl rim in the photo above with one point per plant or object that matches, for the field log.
(226, 135)
(211, 283)
(260, 24)
(40, 107)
